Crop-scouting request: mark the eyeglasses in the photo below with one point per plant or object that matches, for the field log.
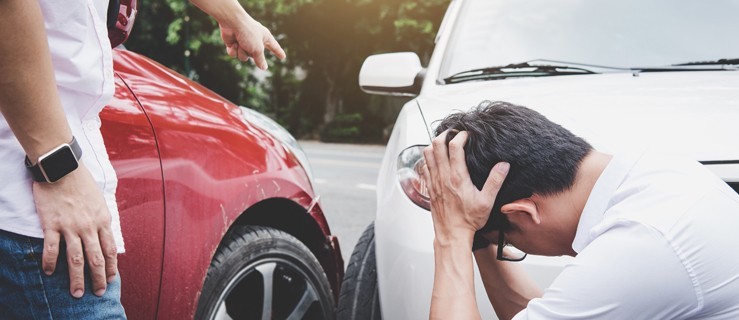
(511, 254)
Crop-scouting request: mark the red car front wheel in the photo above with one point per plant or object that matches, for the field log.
(264, 273)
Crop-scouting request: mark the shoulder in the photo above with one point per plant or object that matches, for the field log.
(628, 271)
(662, 190)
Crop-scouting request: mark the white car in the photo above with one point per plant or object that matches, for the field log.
(623, 74)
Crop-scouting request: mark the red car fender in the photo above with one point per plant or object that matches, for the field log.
(206, 192)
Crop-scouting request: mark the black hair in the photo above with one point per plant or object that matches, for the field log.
(544, 156)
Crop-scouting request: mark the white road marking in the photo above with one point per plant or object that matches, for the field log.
(366, 186)
(353, 153)
(315, 161)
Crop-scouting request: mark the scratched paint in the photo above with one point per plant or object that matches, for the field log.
(214, 166)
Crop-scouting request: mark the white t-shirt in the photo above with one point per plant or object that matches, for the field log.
(658, 239)
(83, 67)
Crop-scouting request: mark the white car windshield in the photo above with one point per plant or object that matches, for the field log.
(614, 33)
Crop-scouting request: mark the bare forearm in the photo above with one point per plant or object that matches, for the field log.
(244, 37)
(508, 286)
(28, 96)
(453, 295)
(224, 11)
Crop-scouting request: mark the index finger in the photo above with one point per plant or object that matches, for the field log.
(273, 46)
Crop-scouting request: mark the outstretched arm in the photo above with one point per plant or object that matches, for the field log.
(73, 208)
(243, 36)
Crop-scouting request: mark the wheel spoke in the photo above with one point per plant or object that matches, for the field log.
(221, 314)
(307, 300)
(267, 271)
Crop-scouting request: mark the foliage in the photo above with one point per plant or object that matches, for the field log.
(326, 42)
(343, 128)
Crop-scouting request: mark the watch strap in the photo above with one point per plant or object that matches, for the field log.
(35, 169)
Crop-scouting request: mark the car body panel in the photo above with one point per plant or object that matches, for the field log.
(214, 167)
(669, 112)
(132, 150)
(682, 113)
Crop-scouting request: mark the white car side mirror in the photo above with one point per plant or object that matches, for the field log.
(397, 74)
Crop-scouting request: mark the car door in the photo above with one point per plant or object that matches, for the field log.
(132, 148)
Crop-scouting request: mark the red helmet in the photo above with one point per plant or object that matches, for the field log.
(121, 14)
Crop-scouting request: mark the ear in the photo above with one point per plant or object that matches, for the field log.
(524, 207)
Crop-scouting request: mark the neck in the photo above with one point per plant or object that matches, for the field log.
(588, 173)
(562, 211)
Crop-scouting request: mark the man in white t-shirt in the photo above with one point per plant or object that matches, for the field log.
(653, 237)
(59, 227)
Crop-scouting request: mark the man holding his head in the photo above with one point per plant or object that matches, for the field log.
(654, 237)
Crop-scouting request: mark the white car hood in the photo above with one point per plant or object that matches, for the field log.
(695, 114)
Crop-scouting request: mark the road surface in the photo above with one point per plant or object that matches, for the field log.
(345, 176)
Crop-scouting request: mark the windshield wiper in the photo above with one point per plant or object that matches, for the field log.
(523, 69)
(714, 65)
(733, 61)
(691, 66)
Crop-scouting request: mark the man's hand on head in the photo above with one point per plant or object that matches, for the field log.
(458, 208)
(74, 209)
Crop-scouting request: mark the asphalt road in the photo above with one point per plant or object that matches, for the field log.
(345, 177)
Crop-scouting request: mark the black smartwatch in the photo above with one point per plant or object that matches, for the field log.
(56, 163)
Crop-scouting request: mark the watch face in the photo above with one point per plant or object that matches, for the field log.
(58, 164)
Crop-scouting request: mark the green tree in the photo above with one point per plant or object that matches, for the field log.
(326, 42)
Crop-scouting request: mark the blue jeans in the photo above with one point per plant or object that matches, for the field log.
(26, 292)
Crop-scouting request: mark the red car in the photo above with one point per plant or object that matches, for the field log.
(217, 208)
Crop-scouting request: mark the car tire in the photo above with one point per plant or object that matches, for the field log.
(360, 295)
(238, 279)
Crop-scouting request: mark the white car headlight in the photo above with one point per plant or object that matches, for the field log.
(410, 168)
(279, 132)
